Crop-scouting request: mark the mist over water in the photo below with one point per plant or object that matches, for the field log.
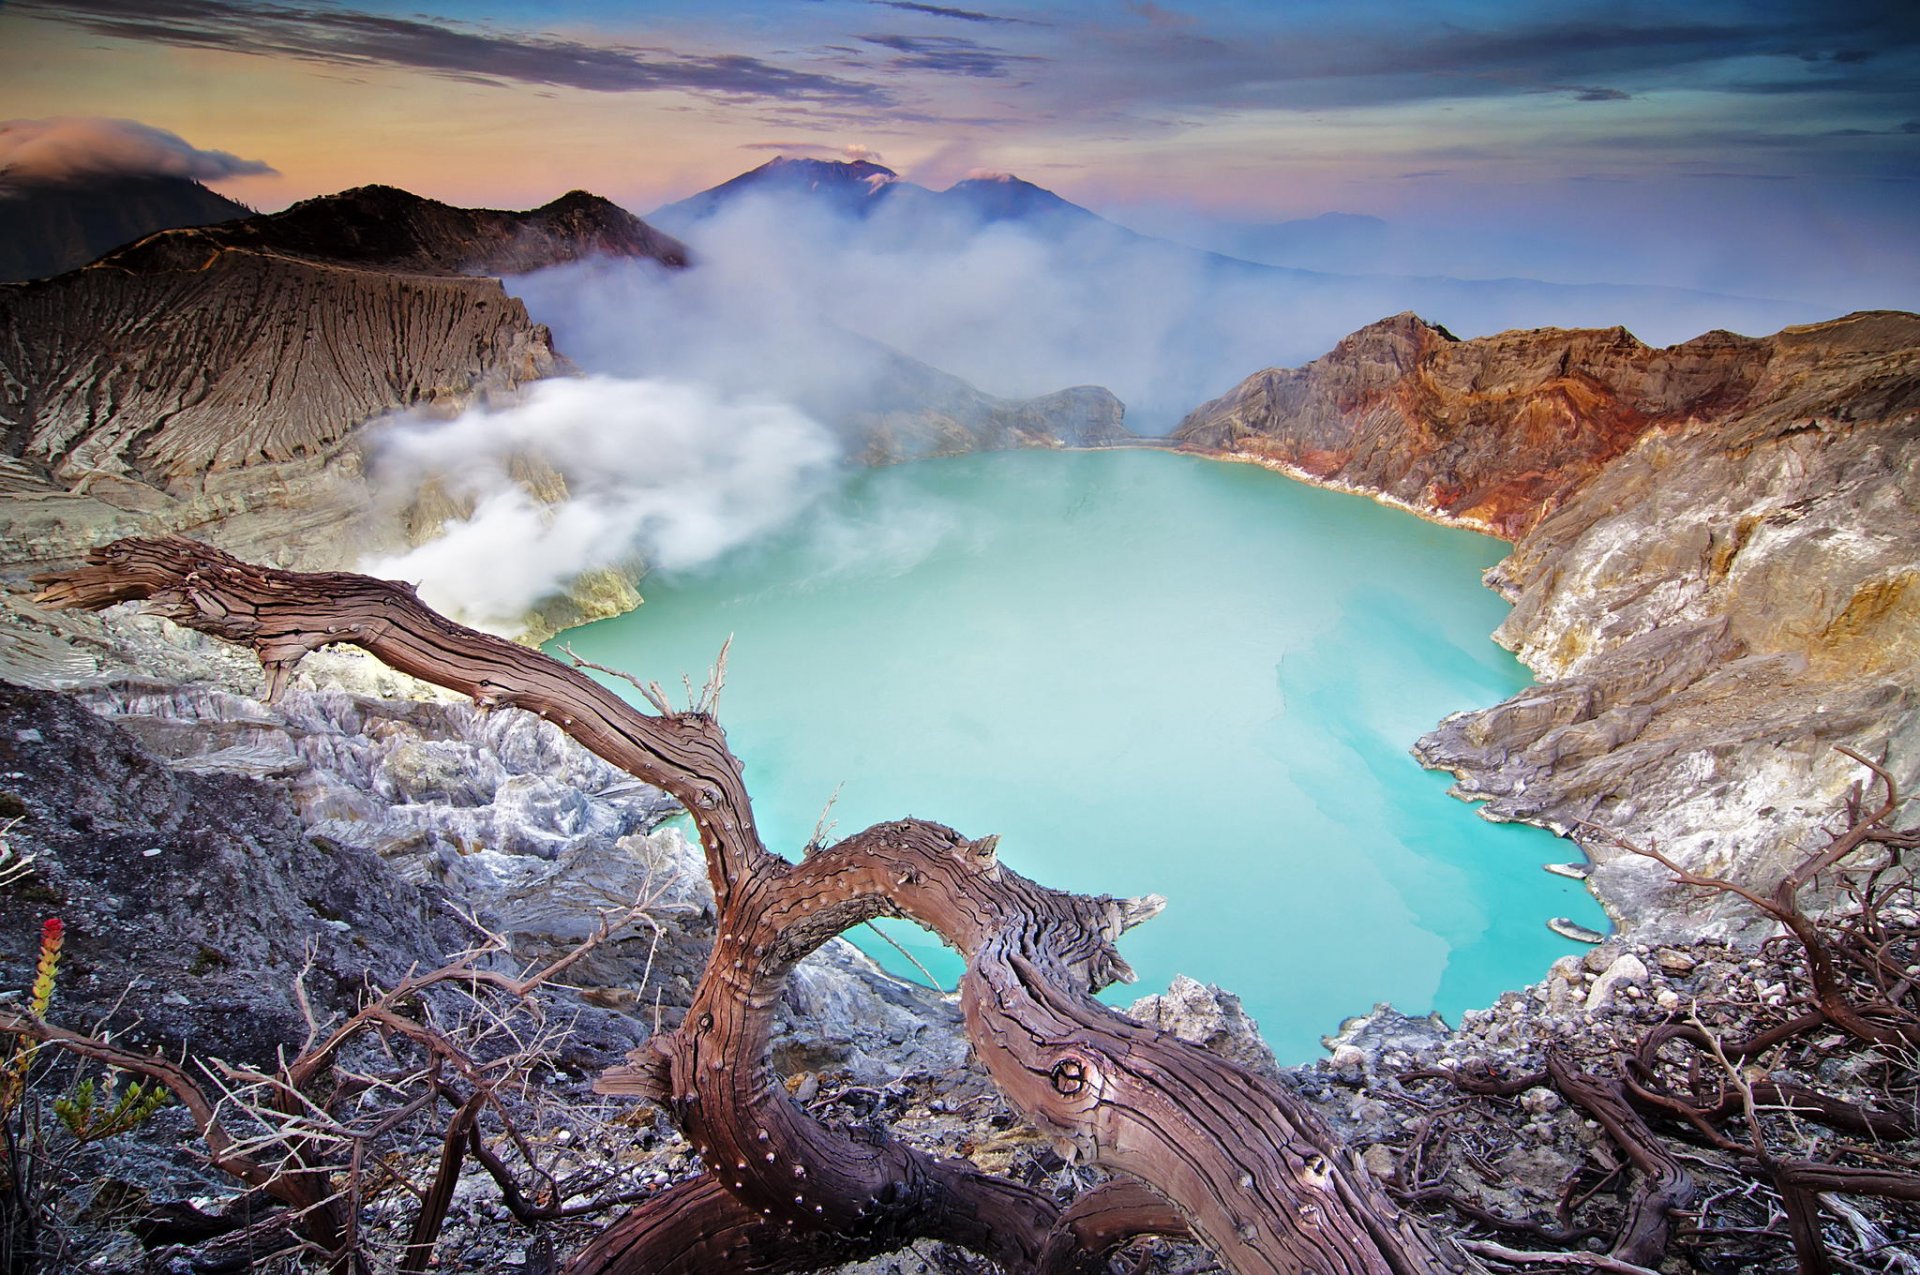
(1148, 673)
(785, 289)
(718, 399)
(588, 473)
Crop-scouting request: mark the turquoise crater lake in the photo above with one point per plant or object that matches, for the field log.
(1149, 673)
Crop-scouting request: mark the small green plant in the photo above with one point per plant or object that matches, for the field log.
(101, 1110)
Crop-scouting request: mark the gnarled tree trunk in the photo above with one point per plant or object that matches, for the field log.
(1214, 1149)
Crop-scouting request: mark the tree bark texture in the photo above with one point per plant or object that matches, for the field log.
(1206, 1147)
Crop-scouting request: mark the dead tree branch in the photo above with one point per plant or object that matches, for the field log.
(1246, 1165)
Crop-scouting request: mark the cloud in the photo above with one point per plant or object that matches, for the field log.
(1157, 16)
(69, 146)
(791, 148)
(351, 37)
(948, 54)
(672, 473)
(1600, 95)
(1309, 58)
(961, 15)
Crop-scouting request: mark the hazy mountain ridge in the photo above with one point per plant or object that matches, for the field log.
(1715, 572)
(385, 228)
(1018, 290)
(216, 380)
(862, 189)
(47, 227)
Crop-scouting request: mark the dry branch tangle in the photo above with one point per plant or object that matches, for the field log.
(1243, 1164)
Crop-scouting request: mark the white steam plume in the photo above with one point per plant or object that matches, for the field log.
(673, 473)
(1025, 305)
(68, 147)
(726, 391)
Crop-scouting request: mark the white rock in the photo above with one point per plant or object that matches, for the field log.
(1626, 969)
(1349, 1060)
(1541, 1100)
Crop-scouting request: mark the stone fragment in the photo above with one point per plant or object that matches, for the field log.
(1378, 1160)
(1626, 970)
(1349, 1060)
(1541, 1101)
(1208, 1017)
(1674, 961)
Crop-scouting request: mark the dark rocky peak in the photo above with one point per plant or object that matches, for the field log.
(829, 172)
(48, 227)
(1004, 197)
(383, 227)
(850, 187)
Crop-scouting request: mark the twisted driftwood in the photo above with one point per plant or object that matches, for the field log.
(1209, 1148)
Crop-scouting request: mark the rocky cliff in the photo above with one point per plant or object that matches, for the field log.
(1490, 433)
(1715, 573)
(211, 379)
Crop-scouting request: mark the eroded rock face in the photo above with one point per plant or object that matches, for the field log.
(193, 896)
(211, 379)
(241, 358)
(1711, 615)
(1491, 433)
(1715, 574)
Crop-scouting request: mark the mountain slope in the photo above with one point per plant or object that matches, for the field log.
(214, 377)
(385, 228)
(49, 227)
(268, 339)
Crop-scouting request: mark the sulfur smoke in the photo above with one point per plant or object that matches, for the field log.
(673, 473)
(722, 396)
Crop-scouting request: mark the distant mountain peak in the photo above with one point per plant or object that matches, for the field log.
(385, 227)
(839, 169)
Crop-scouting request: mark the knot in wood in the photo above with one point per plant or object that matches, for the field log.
(1069, 1076)
(1316, 1171)
(706, 1022)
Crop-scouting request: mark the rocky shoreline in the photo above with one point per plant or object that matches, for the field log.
(1715, 571)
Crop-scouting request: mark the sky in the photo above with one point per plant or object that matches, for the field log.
(1666, 132)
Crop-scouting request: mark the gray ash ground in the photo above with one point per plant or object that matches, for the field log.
(419, 788)
(1524, 1157)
